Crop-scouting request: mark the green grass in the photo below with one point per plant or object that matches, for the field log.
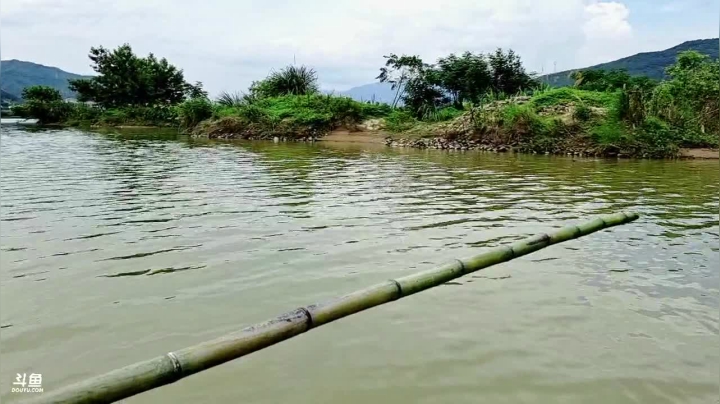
(443, 114)
(293, 115)
(610, 132)
(522, 120)
(568, 95)
(400, 121)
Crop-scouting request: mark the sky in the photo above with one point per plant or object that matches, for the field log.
(226, 44)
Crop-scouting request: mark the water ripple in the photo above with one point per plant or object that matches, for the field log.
(166, 242)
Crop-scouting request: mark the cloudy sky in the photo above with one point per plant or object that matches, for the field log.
(228, 43)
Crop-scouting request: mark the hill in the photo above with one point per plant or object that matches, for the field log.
(651, 64)
(17, 74)
(380, 92)
(5, 96)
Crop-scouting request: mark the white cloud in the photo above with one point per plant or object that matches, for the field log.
(227, 44)
(607, 31)
(607, 21)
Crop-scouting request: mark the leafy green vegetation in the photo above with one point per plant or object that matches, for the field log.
(124, 79)
(424, 88)
(567, 95)
(470, 98)
(43, 103)
(289, 116)
(292, 80)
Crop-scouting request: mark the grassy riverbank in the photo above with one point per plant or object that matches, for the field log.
(554, 121)
(472, 101)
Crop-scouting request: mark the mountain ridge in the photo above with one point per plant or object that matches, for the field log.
(16, 74)
(651, 64)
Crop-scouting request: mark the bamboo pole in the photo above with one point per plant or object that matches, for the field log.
(162, 370)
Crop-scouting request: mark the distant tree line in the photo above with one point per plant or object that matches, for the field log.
(453, 80)
(125, 79)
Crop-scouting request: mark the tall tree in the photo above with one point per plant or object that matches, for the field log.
(508, 74)
(465, 78)
(125, 79)
(416, 83)
(398, 71)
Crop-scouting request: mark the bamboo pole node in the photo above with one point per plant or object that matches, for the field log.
(309, 321)
(513, 254)
(173, 366)
(399, 288)
(177, 366)
(462, 265)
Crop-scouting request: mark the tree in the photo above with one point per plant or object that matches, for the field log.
(125, 79)
(44, 104)
(690, 97)
(508, 74)
(41, 93)
(398, 70)
(465, 78)
(453, 80)
(417, 84)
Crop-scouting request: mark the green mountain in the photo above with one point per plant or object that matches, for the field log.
(651, 64)
(17, 74)
(5, 96)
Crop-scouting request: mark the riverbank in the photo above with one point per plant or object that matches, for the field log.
(563, 121)
(379, 137)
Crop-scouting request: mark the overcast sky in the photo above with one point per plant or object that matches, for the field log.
(226, 44)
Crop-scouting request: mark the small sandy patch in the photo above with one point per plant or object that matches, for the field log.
(700, 153)
(344, 135)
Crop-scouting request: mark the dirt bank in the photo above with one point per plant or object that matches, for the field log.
(347, 136)
(700, 153)
(377, 136)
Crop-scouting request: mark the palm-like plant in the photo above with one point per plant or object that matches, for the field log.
(292, 80)
(234, 99)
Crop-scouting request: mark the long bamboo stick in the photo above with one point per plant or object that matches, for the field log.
(156, 372)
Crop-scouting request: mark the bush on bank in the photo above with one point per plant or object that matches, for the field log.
(464, 97)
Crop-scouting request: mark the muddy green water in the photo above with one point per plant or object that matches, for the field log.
(118, 248)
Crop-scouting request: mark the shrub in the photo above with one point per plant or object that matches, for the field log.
(522, 120)
(44, 112)
(567, 96)
(252, 113)
(235, 99)
(443, 114)
(656, 138)
(582, 113)
(376, 109)
(160, 115)
(82, 114)
(608, 133)
(41, 94)
(44, 104)
(292, 80)
(194, 111)
(399, 121)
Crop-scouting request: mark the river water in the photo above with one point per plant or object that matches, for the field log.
(119, 248)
